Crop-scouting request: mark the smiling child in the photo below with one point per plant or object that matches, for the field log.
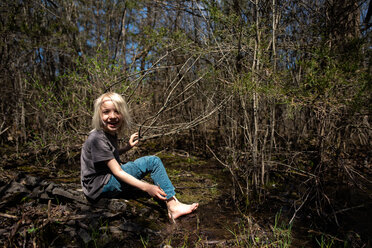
(103, 174)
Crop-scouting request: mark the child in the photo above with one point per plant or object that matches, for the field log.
(102, 173)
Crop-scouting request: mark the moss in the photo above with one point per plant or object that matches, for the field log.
(33, 169)
(176, 160)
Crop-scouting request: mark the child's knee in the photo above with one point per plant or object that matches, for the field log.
(156, 160)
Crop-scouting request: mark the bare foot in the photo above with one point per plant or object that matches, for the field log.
(177, 209)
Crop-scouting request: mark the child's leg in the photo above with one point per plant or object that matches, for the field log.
(153, 165)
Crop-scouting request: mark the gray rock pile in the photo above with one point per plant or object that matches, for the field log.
(42, 213)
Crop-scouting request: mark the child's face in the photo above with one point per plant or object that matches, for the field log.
(111, 118)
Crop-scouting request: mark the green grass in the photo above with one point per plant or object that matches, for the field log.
(249, 236)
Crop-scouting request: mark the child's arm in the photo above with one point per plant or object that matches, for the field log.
(132, 142)
(152, 190)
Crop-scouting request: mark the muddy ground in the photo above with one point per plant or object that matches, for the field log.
(43, 206)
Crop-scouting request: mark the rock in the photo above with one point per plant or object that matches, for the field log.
(115, 230)
(70, 230)
(50, 188)
(36, 192)
(45, 196)
(68, 195)
(16, 188)
(78, 215)
(44, 183)
(94, 223)
(131, 227)
(71, 222)
(84, 235)
(109, 215)
(30, 181)
(117, 205)
(84, 207)
(144, 211)
(82, 225)
(101, 203)
(13, 194)
(3, 189)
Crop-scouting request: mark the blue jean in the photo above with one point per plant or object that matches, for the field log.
(139, 169)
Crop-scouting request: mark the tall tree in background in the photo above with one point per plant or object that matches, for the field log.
(261, 85)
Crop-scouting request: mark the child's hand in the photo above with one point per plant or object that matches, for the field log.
(156, 191)
(133, 139)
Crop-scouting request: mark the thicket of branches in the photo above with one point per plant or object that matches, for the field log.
(263, 86)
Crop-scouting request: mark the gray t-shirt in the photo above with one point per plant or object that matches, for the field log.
(99, 148)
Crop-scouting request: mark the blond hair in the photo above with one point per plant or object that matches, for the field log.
(120, 105)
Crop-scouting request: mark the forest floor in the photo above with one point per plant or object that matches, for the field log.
(44, 207)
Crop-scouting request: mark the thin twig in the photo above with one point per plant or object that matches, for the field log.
(8, 216)
(228, 167)
(298, 209)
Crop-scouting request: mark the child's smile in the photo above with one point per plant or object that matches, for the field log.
(111, 118)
